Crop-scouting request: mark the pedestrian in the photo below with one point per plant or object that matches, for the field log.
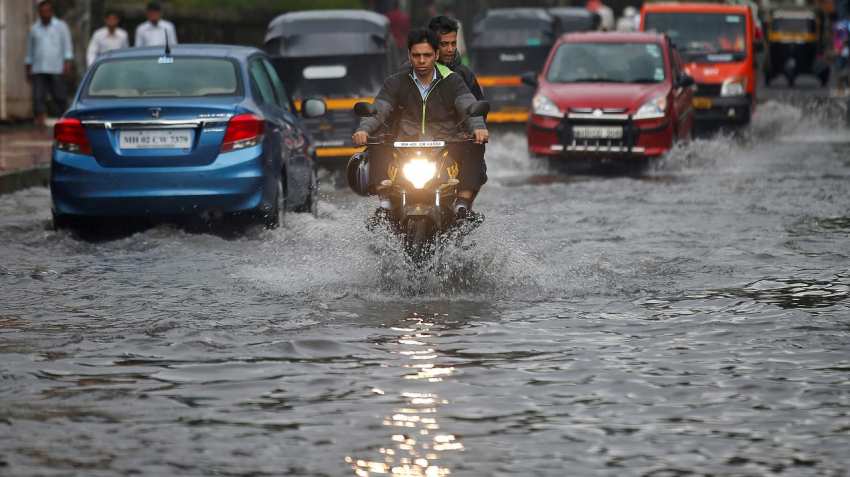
(155, 31)
(841, 45)
(630, 21)
(605, 13)
(399, 24)
(107, 38)
(48, 61)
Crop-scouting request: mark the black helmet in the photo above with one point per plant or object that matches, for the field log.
(357, 173)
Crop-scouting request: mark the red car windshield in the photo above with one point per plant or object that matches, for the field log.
(607, 63)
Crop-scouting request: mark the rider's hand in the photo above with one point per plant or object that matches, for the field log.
(481, 136)
(360, 138)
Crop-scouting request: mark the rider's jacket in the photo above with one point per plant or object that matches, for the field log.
(468, 77)
(441, 115)
(461, 69)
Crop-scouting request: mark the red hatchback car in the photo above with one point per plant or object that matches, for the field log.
(610, 96)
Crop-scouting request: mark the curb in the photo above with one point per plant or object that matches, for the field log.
(23, 179)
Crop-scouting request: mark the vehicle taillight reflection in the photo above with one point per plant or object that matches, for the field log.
(243, 130)
(70, 135)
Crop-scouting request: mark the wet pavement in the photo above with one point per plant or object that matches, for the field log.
(689, 321)
(24, 156)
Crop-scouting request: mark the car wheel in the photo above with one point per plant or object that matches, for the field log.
(273, 218)
(311, 204)
(63, 222)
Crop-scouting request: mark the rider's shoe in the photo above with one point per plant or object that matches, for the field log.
(378, 219)
(465, 215)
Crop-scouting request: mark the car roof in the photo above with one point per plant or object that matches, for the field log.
(612, 37)
(696, 8)
(570, 11)
(518, 12)
(211, 50)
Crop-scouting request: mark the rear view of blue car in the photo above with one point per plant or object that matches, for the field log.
(200, 130)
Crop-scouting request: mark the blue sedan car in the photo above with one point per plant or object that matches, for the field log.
(197, 130)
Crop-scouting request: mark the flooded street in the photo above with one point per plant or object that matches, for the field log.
(694, 320)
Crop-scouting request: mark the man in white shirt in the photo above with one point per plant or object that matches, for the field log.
(154, 31)
(107, 38)
(49, 56)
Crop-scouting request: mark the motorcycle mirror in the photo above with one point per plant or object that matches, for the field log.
(313, 108)
(478, 108)
(365, 110)
(529, 78)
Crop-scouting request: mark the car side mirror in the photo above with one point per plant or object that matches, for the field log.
(685, 81)
(478, 109)
(365, 110)
(759, 46)
(313, 108)
(529, 78)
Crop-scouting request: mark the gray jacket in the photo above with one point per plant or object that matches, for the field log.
(441, 115)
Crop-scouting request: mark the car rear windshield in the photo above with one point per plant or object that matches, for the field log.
(164, 77)
(607, 63)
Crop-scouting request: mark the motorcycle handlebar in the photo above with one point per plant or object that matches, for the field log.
(378, 141)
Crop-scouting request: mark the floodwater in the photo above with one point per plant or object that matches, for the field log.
(694, 320)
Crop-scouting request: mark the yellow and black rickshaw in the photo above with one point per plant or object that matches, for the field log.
(574, 19)
(795, 45)
(342, 56)
(506, 43)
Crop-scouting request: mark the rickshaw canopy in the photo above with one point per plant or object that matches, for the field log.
(328, 33)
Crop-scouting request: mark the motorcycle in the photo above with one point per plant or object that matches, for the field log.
(417, 200)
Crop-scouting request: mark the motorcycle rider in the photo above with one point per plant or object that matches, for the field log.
(447, 29)
(428, 101)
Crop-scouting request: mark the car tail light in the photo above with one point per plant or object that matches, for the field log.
(243, 130)
(70, 135)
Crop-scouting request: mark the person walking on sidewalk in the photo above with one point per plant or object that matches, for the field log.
(154, 31)
(107, 38)
(49, 56)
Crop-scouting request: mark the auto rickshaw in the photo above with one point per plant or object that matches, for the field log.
(574, 19)
(342, 56)
(795, 46)
(506, 43)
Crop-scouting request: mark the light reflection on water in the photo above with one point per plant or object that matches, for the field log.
(417, 441)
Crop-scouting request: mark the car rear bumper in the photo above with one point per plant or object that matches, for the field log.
(81, 186)
(654, 138)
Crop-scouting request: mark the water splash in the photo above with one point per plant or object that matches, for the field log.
(336, 256)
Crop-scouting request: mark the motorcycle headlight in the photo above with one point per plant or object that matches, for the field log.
(419, 172)
(653, 109)
(734, 87)
(544, 106)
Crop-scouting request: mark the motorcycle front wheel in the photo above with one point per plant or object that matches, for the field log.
(419, 238)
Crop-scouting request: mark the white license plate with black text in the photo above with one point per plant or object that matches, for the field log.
(598, 132)
(156, 139)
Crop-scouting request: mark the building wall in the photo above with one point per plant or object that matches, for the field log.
(16, 16)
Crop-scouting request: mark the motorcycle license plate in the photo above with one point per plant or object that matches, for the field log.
(156, 139)
(702, 103)
(598, 132)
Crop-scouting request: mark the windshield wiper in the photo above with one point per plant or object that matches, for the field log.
(645, 80)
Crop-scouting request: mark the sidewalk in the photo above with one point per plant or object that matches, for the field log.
(24, 157)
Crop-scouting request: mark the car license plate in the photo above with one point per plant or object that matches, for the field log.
(597, 132)
(156, 139)
(702, 103)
